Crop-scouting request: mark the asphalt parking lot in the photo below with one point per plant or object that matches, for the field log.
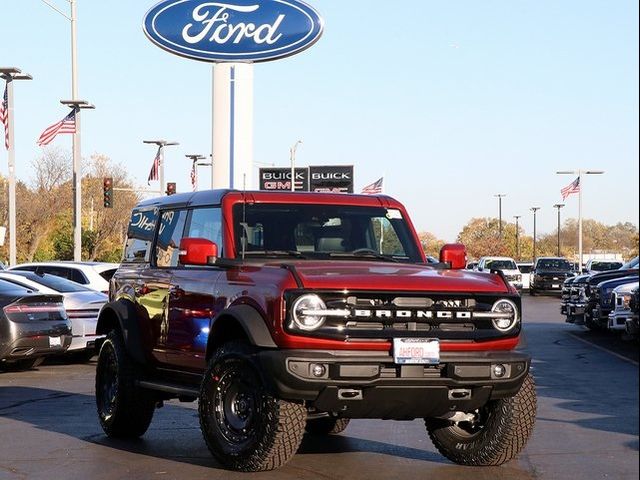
(587, 425)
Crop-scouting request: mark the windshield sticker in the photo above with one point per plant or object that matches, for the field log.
(394, 214)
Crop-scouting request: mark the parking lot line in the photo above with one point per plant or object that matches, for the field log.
(621, 357)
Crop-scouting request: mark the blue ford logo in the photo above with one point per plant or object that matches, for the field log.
(233, 30)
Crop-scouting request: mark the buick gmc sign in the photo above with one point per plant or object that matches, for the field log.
(233, 31)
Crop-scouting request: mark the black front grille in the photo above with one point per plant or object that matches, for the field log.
(382, 316)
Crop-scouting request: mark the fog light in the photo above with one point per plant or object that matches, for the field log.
(318, 370)
(499, 370)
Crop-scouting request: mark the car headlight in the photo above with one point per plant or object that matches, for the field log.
(507, 317)
(307, 312)
(518, 278)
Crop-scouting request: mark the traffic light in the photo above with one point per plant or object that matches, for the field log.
(107, 190)
(171, 188)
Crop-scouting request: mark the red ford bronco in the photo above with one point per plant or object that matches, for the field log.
(286, 312)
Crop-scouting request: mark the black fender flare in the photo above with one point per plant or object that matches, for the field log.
(124, 313)
(252, 322)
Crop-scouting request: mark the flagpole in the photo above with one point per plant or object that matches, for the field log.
(580, 221)
(11, 74)
(580, 174)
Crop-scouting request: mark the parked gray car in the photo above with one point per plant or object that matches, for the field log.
(32, 325)
(81, 304)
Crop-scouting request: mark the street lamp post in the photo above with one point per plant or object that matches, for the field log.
(9, 74)
(77, 105)
(517, 217)
(580, 173)
(160, 144)
(558, 206)
(534, 210)
(500, 196)
(292, 152)
(194, 171)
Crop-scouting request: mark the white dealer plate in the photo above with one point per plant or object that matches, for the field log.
(424, 351)
(555, 286)
(55, 342)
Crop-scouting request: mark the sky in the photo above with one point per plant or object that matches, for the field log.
(452, 101)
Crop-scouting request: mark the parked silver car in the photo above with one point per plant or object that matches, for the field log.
(81, 304)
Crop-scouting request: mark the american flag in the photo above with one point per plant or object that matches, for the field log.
(194, 176)
(154, 174)
(374, 188)
(4, 115)
(66, 125)
(573, 187)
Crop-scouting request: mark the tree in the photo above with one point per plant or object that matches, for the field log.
(430, 244)
(38, 204)
(105, 227)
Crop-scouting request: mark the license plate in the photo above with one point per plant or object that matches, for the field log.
(423, 351)
(55, 342)
(555, 286)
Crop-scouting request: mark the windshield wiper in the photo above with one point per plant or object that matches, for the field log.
(367, 254)
(276, 253)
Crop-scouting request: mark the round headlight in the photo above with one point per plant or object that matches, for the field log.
(508, 315)
(302, 312)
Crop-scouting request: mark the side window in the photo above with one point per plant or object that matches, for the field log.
(206, 223)
(78, 277)
(140, 235)
(26, 269)
(58, 272)
(169, 236)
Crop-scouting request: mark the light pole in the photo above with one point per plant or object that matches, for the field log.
(534, 210)
(580, 173)
(9, 74)
(160, 144)
(292, 152)
(77, 105)
(194, 157)
(500, 196)
(517, 217)
(558, 206)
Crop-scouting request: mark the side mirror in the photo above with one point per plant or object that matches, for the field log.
(455, 254)
(197, 251)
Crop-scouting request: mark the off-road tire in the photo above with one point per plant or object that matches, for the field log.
(327, 425)
(507, 425)
(124, 409)
(260, 433)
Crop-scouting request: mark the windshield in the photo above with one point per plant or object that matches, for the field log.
(500, 264)
(630, 264)
(323, 231)
(553, 264)
(605, 266)
(53, 282)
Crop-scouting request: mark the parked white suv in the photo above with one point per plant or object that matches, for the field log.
(506, 265)
(94, 275)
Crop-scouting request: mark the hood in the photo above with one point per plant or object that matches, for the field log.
(584, 278)
(626, 288)
(558, 273)
(384, 276)
(604, 276)
(613, 283)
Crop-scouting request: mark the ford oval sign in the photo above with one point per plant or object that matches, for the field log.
(233, 30)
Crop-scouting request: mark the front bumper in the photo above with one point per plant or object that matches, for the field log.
(618, 321)
(360, 384)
